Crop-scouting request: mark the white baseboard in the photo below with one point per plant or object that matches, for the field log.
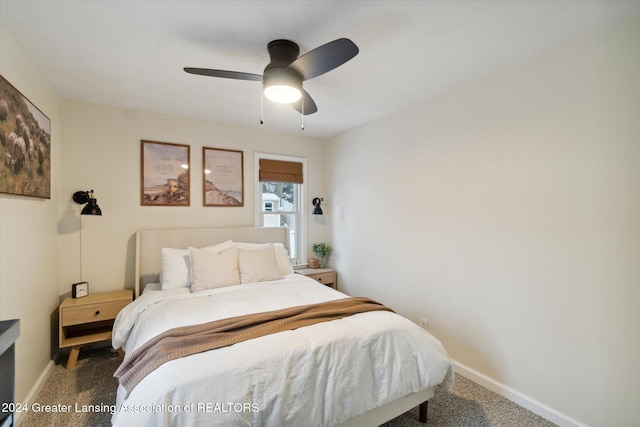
(517, 397)
(34, 391)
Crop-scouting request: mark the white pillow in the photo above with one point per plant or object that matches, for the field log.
(220, 246)
(176, 268)
(251, 246)
(176, 265)
(258, 265)
(282, 256)
(283, 259)
(210, 269)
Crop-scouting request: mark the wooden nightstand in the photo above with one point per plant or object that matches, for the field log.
(89, 319)
(326, 276)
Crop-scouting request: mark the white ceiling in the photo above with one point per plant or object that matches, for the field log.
(131, 53)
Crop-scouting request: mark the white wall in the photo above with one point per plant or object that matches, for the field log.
(508, 213)
(101, 151)
(28, 236)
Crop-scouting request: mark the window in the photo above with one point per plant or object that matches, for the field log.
(279, 198)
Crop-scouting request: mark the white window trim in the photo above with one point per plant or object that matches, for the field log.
(258, 214)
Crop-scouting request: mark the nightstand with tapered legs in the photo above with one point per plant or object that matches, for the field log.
(89, 320)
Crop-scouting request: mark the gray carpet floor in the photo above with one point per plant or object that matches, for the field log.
(467, 404)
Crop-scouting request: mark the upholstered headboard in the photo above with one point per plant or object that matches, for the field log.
(149, 244)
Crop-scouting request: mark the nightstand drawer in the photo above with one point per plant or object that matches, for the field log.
(92, 312)
(325, 278)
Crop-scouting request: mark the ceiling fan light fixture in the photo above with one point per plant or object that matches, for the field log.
(282, 94)
(282, 85)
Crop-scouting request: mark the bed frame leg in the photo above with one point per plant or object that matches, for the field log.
(422, 417)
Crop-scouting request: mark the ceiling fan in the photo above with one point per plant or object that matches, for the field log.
(282, 78)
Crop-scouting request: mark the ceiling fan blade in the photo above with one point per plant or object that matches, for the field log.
(309, 104)
(225, 74)
(325, 58)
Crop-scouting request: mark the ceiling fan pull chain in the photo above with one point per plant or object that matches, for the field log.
(261, 107)
(302, 113)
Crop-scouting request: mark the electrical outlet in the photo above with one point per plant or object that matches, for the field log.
(424, 323)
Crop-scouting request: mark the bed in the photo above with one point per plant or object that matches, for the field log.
(360, 370)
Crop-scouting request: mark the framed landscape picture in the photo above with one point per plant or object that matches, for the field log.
(25, 145)
(222, 177)
(165, 174)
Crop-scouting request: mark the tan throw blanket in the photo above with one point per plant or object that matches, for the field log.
(187, 340)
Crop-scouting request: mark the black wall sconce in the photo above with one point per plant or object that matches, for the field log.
(88, 198)
(317, 210)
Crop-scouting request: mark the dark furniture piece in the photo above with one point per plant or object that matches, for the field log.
(9, 333)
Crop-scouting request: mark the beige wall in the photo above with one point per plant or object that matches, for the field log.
(508, 213)
(101, 151)
(28, 236)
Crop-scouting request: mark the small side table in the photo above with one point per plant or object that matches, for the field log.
(89, 320)
(326, 276)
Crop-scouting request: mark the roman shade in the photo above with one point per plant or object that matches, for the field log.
(280, 171)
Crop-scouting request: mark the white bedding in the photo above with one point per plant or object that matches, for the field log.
(319, 375)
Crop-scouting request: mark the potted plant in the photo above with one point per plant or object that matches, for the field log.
(322, 251)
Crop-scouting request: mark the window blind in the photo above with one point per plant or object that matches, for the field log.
(280, 171)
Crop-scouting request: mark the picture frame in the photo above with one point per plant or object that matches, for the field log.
(25, 145)
(222, 177)
(165, 174)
